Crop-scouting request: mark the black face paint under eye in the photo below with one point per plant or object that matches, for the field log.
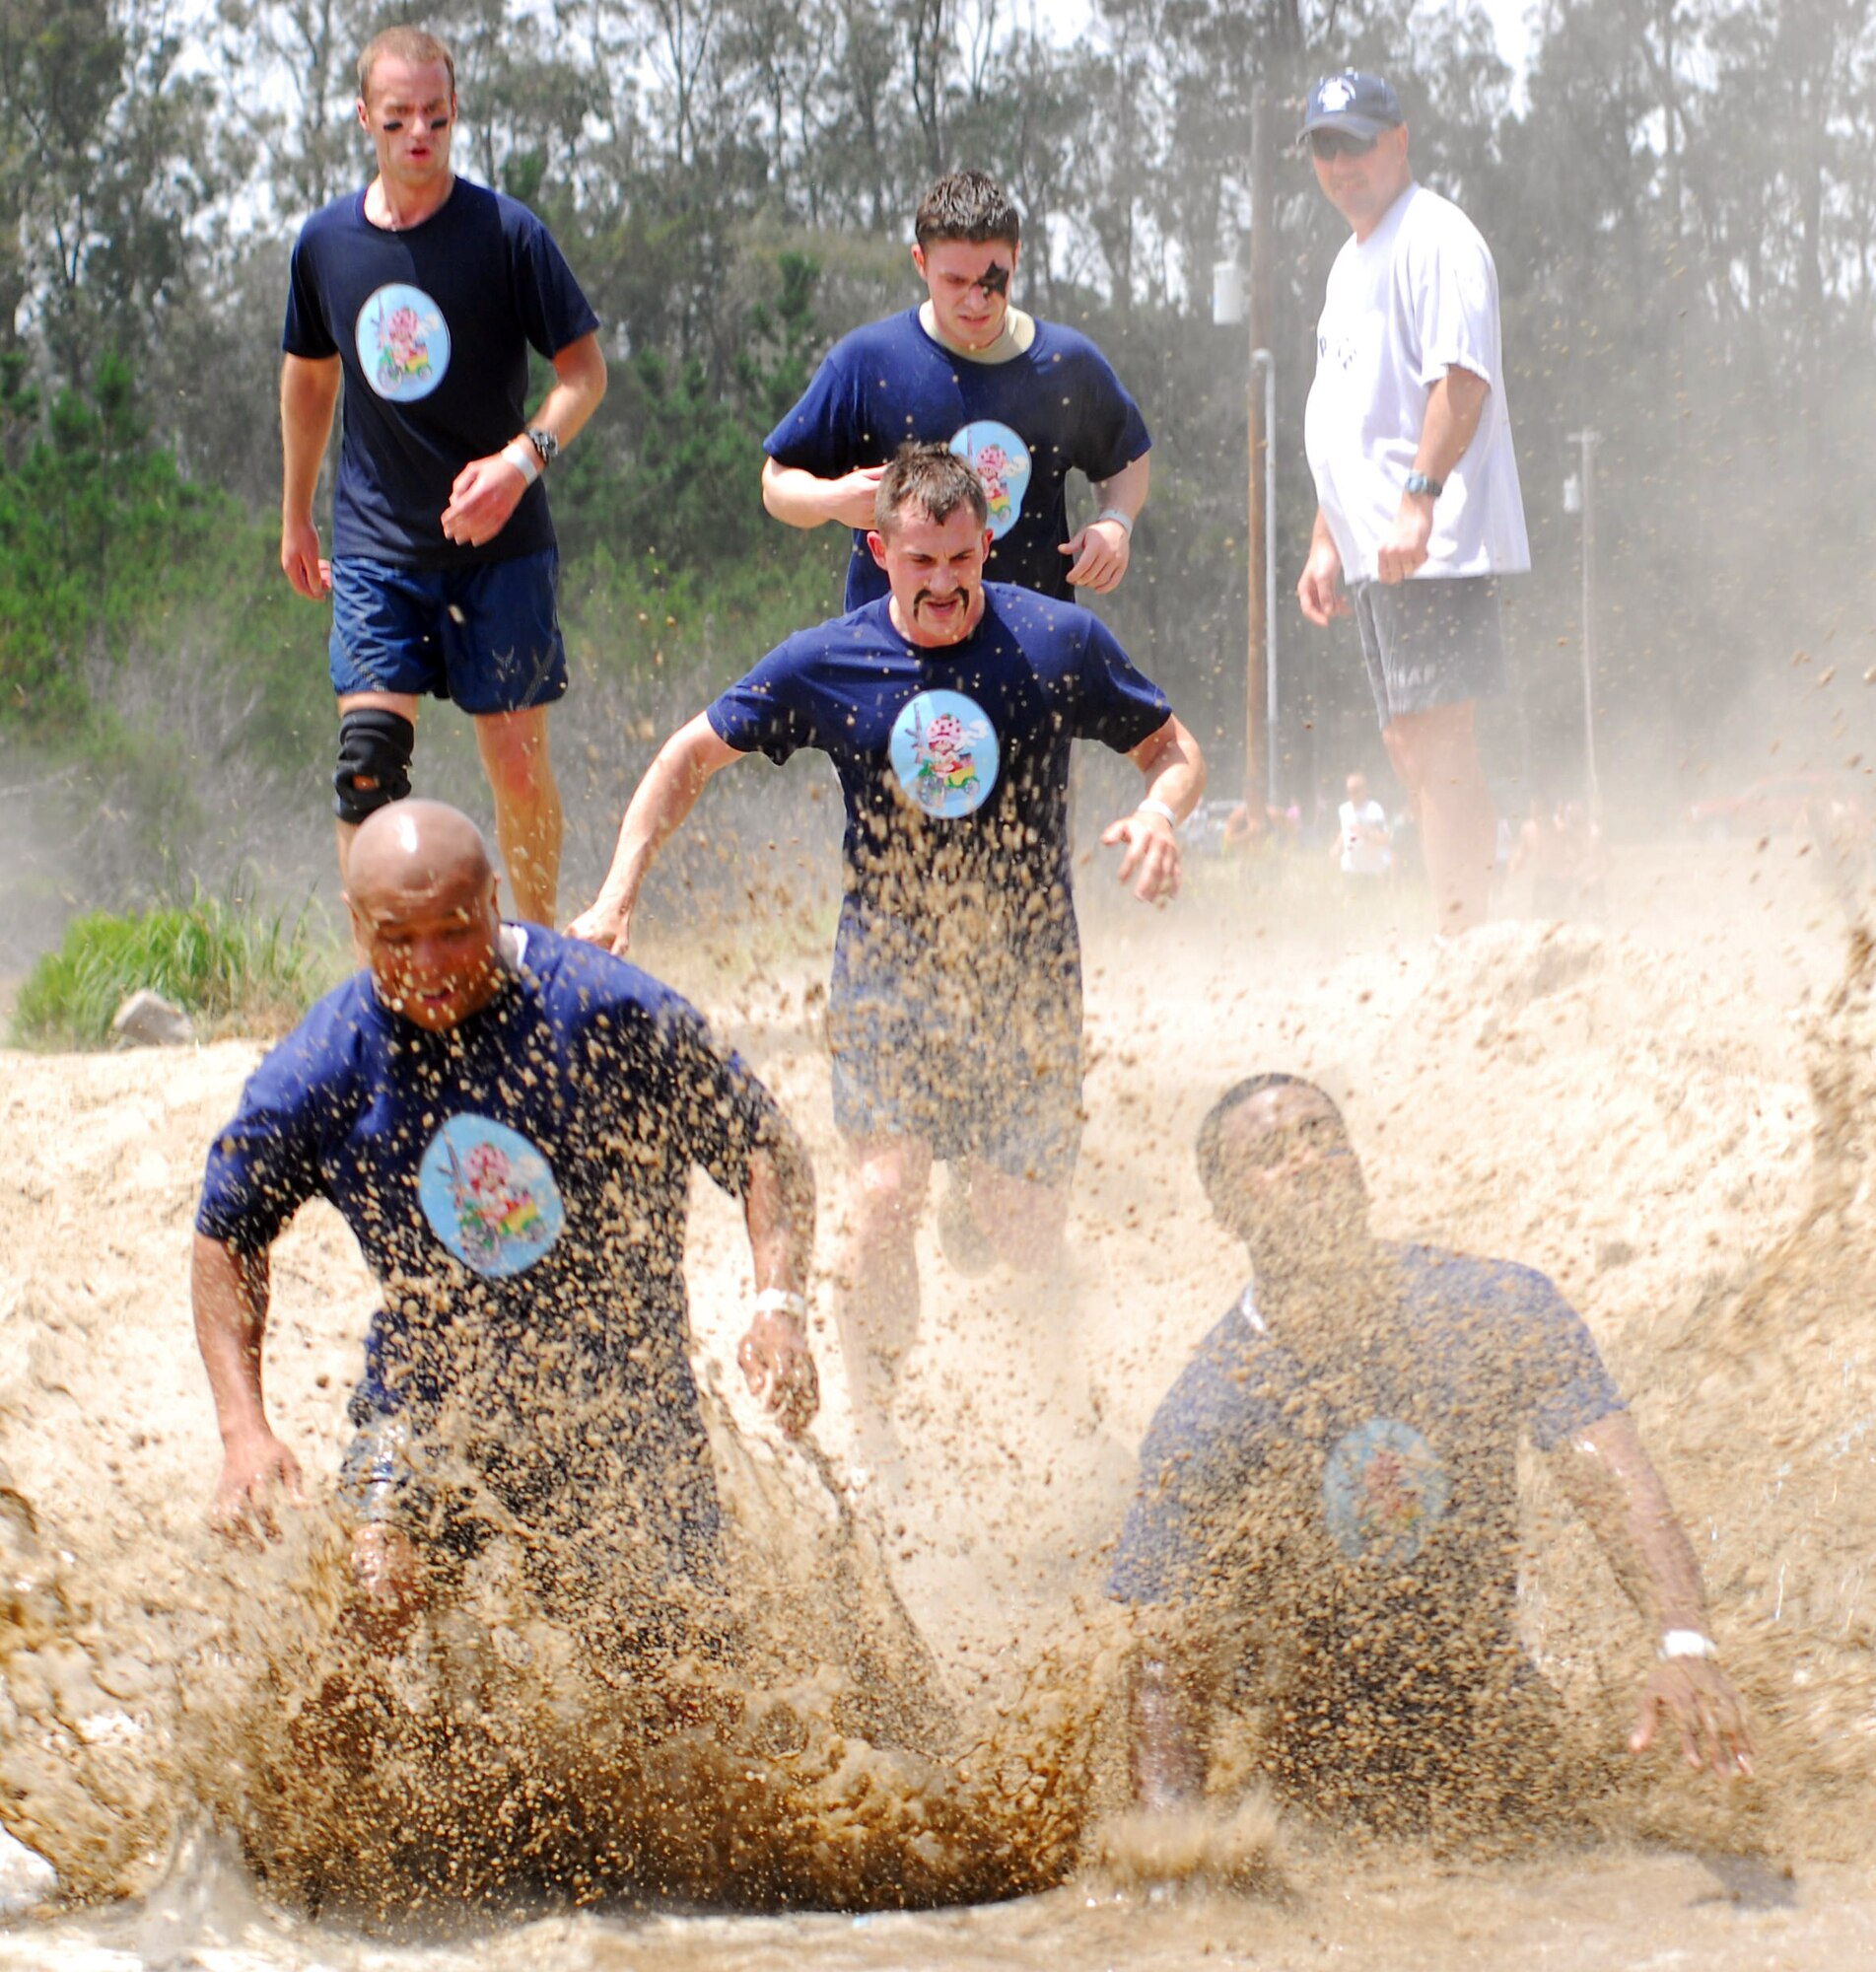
(994, 280)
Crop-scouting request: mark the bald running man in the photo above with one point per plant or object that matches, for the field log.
(506, 1120)
(1328, 1515)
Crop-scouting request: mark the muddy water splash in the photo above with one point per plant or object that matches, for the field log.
(1608, 1112)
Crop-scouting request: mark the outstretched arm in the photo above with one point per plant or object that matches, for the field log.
(663, 798)
(778, 1209)
(229, 1289)
(1611, 1480)
(1173, 768)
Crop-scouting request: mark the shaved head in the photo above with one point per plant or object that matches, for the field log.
(416, 847)
(422, 894)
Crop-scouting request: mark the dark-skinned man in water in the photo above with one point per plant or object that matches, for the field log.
(506, 1119)
(1327, 1521)
(948, 708)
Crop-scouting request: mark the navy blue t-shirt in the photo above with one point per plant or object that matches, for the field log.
(432, 326)
(954, 764)
(1378, 1501)
(520, 1185)
(1022, 422)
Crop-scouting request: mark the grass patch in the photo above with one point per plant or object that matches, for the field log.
(231, 964)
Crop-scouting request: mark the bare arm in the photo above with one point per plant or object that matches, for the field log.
(663, 798)
(1319, 587)
(1173, 768)
(1453, 408)
(1100, 553)
(487, 491)
(309, 396)
(796, 498)
(230, 1291)
(778, 1208)
(1612, 1482)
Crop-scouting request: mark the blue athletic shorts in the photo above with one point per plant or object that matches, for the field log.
(486, 636)
(1429, 642)
(1006, 1087)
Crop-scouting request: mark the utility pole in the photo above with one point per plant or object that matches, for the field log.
(1585, 504)
(1260, 668)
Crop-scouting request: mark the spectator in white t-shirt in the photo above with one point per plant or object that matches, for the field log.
(1409, 441)
(1364, 843)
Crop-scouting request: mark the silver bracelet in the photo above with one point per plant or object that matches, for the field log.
(1115, 514)
(782, 1300)
(1688, 1644)
(1163, 809)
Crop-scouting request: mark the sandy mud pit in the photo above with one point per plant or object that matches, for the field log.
(1671, 1118)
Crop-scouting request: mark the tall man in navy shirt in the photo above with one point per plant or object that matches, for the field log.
(948, 709)
(1327, 1508)
(1023, 401)
(425, 293)
(506, 1119)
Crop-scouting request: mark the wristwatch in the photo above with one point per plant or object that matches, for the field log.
(1417, 482)
(545, 443)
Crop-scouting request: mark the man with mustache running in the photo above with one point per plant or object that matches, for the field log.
(948, 708)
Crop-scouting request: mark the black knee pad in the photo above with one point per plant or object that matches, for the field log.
(374, 750)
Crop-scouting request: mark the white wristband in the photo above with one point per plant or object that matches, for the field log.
(782, 1300)
(1688, 1644)
(1163, 809)
(1114, 514)
(522, 455)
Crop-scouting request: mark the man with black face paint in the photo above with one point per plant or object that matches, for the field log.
(1024, 400)
(954, 1019)
(422, 295)
(1327, 1520)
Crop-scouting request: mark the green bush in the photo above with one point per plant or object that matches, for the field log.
(228, 963)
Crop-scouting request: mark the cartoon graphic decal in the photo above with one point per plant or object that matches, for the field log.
(944, 753)
(489, 1196)
(1384, 1492)
(403, 343)
(1002, 460)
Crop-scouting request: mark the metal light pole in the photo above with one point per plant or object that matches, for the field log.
(1265, 496)
(1259, 683)
(1583, 487)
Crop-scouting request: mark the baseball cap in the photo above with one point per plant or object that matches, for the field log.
(1362, 105)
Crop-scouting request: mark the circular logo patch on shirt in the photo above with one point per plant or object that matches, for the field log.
(403, 343)
(1002, 460)
(944, 753)
(489, 1195)
(1384, 1492)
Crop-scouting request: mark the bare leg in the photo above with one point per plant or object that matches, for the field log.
(1165, 1712)
(1023, 1220)
(877, 1309)
(529, 822)
(387, 1578)
(1436, 755)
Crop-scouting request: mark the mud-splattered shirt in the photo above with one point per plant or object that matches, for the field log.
(520, 1185)
(1366, 1517)
(954, 764)
(1022, 422)
(433, 326)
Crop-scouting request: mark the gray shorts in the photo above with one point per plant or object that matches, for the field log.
(1429, 642)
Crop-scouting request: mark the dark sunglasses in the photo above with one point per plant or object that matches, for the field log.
(1338, 144)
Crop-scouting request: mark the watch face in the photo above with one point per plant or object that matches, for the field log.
(544, 443)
